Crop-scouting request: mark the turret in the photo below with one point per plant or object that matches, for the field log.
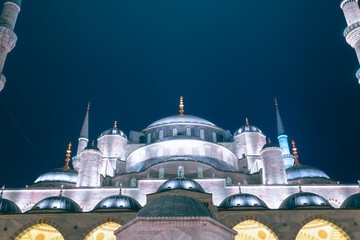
(352, 32)
(89, 167)
(273, 165)
(112, 143)
(8, 38)
(83, 139)
(289, 160)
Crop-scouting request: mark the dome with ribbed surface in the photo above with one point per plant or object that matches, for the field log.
(352, 202)
(118, 202)
(181, 119)
(180, 183)
(247, 128)
(57, 203)
(175, 206)
(114, 131)
(243, 200)
(304, 171)
(304, 199)
(59, 175)
(8, 207)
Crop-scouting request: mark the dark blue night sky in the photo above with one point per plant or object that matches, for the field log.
(133, 59)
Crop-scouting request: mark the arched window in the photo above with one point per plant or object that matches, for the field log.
(188, 132)
(200, 172)
(174, 132)
(228, 181)
(161, 173)
(117, 183)
(181, 171)
(133, 182)
(40, 231)
(251, 229)
(104, 231)
(161, 134)
(148, 137)
(202, 134)
(321, 229)
(214, 137)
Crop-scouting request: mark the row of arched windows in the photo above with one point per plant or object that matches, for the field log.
(188, 133)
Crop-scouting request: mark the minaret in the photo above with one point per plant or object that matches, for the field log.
(83, 139)
(352, 32)
(283, 140)
(8, 38)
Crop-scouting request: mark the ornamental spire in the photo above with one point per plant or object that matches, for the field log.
(247, 122)
(280, 126)
(115, 124)
(67, 160)
(85, 128)
(181, 106)
(295, 154)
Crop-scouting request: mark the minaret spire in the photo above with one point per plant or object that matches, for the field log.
(352, 32)
(181, 106)
(283, 140)
(84, 134)
(67, 160)
(8, 38)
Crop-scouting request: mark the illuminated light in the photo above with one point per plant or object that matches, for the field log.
(40, 231)
(321, 229)
(103, 232)
(254, 230)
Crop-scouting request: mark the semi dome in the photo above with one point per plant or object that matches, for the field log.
(57, 203)
(59, 175)
(352, 202)
(114, 131)
(8, 207)
(304, 199)
(304, 171)
(180, 183)
(175, 206)
(242, 200)
(118, 202)
(247, 128)
(181, 119)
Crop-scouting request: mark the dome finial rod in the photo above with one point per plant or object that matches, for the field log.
(269, 140)
(276, 102)
(247, 122)
(68, 154)
(120, 193)
(239, 184)
(295, 153)
(181, 106)
(88, 106)
(115, 124)
(2, 191)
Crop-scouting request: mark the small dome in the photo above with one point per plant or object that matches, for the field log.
(118, 202)
(57, 203)
(59, 175)
(270, 145)
(247, 128)
(8, 207)
(304, 199)
(114, 131)
(352, 202)
(181, 119)
(175, 206)
(303, 171)
(242, 200)
(92, 147)
(180, 183)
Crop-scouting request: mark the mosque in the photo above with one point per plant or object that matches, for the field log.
(181, 177)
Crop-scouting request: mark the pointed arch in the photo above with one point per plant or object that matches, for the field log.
(38, 231)
(104, 231)
(252, 229)
(319, 228)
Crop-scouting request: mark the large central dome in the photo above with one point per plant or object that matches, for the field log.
(181, 119)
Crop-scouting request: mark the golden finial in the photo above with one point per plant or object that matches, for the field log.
(88, 107)
(275, 101)
(247, 122)
(115, 124)
(67, 160)
(269, 141)
(93, 143)
(181, 106)
(295, 154)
